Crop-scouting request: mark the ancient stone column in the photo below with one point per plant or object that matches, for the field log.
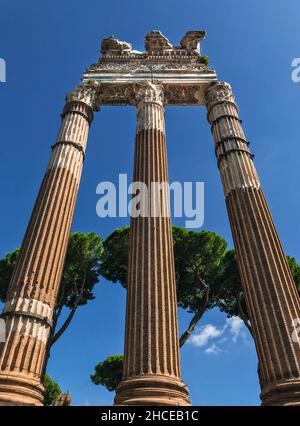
(34, 285)
(271, 295)
(151, 374)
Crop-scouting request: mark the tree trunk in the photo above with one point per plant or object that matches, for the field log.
(55, 336)
(196, 318)
(242, 313)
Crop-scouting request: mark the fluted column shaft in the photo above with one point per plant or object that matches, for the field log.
(34, 285)
(151, 374)
(271, 295)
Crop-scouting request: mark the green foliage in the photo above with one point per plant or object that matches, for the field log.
(197, 260)
(80, 274)
(81, 269)
(231, 298)
(229, 285)
(295, 270)
(114, 263)
(205, 59)
(6, 269)
(108, 373)
(52, 390)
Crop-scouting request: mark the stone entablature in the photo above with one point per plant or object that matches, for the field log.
(182, 70)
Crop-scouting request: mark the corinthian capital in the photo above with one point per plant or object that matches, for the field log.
(87, 93)
(147, 92)
(219, 92)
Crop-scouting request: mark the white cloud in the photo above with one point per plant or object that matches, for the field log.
(236, 328)
(213, 349)
(213, 337)
(205, 334)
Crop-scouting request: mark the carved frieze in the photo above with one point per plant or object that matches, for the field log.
(174, 94)
(183, 95)
(148, 66)
(116, 94)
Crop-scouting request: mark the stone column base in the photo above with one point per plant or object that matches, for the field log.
(285, 393)
(20, 390)
(152, 389)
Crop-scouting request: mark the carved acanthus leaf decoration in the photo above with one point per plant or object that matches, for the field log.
(147, 92)
(86, 92)
(219, 92)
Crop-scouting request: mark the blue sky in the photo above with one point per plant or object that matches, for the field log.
(251, 44)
